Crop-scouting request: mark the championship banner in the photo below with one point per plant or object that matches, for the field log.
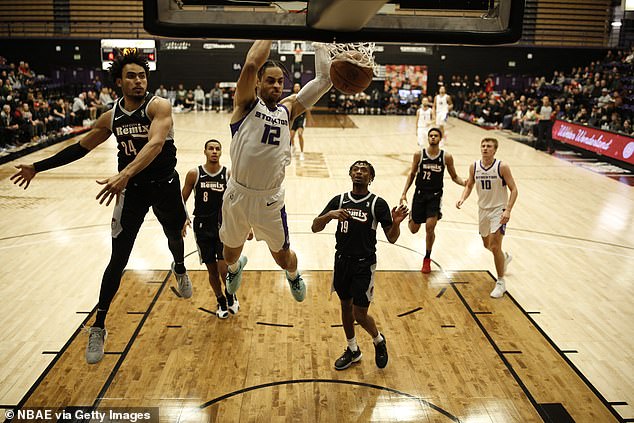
(619, 147)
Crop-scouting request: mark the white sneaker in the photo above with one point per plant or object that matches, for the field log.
(301, 156)
(507, 260)
(499, 290)
(234, 306)
(222, 313)
(184, 283)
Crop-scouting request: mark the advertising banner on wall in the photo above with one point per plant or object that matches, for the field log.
(616, 146)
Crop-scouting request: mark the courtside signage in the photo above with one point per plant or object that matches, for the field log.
(619, 147)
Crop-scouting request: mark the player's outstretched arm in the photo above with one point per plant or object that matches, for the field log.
(97, 135)
(505, 171)
(452, 170)
(410, 176)
(160, 111)
(468, 187)
(314, 89)
(245, 88)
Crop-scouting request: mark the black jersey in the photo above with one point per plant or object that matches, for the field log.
(429, 177)
(208, 191)
(356, 237)
(131, 130)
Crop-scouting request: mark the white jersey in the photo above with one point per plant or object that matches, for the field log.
(261, 147)
(442, 104)
(424, 117)
(490, 185)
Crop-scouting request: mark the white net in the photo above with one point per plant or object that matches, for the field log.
(361, 54)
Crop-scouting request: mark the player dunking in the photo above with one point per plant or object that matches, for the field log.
(209, 182)
(142, 125)
(428, 169)
(298, 126)
(442, 106)
(491, 177)
(260, 151)
(358, 213)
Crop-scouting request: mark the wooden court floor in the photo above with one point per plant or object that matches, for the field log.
(564, 336)
(455, 355)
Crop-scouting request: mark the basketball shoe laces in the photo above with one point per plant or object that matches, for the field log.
(295, 283)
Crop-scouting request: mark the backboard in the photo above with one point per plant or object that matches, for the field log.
(475, 22)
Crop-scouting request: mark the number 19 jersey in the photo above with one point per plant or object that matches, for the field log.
(261, 147)
(490, 185)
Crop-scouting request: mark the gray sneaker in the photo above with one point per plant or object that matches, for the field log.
(184, 283)
(234, 279)
(298, 287)
(96, 339)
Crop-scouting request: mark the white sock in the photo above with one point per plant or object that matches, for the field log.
(352, 344)
(378, 339)
(233, 268)
(293, 275)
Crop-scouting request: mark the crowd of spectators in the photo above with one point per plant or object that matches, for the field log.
(219, 98)
(32, 114)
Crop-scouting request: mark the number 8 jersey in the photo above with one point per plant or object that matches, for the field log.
(261, 147)
(131, 130)
(490, 185)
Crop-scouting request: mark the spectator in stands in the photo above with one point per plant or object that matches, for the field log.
(189, 102)
(215, 98)
(59, 114)
(106, 99)
(79, 109)
(161, 91)
(171, 95)
(199, 98)
(627, 128)
(582, 115)
(615, 123)
(181, 93)
(605, 98)
(95, 107)
(9, 128)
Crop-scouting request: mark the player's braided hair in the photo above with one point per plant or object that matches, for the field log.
(126, 58)
(366, 163)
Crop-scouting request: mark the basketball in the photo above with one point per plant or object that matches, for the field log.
(348, 77)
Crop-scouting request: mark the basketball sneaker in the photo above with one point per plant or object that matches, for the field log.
(222, 312)
(507, 260)
(235, 279)
(426, 266)
(233, 303)
(298, 287)
(380, 353)
(499, 290)
(347, 358)
(96, 339)
(184, 283)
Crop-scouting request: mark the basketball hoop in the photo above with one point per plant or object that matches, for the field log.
(360, 54)
(298, 54)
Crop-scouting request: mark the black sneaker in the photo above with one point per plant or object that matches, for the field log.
(347, 358)
(380, 351)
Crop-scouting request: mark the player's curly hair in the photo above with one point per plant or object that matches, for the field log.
(436, 130)
(122, 59)
(363, 162)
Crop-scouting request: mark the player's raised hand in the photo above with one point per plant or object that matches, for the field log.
(399, 213)
(24, 175)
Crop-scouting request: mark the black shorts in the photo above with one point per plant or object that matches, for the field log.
(298, 122)
(163, 196)
(207, 239)
(426, 205)
(354, 278)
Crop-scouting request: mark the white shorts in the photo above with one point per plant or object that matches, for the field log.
(441, 118)
(264, 211)
(421, 134)
(490, 221)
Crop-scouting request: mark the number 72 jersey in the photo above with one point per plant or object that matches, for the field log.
(261, 147)
(490, 185)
